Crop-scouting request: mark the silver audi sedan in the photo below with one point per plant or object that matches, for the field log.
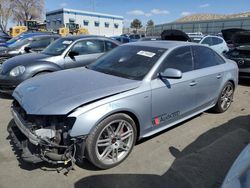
(134, 91)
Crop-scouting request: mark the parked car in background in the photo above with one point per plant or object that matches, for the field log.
(64, 53)
(4, 37)
(133, 92)
(121, 39)
(132, 37)
(196, 38)
(240, 52)
(20, 37)
(174, 34)
(152, 38)
(217, 43)
(32, 44)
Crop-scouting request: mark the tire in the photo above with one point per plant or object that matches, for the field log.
(225, 99)
(111, 141)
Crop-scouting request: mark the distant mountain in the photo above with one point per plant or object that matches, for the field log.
(202, 17)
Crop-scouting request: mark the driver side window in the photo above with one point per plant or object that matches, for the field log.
(180, 58)
(88, 47)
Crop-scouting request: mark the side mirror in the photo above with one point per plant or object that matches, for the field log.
(171, 73)
(72, 54)
(27, 49)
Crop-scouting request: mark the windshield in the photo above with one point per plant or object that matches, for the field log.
(57, 47)
(132, 62)
(20, 43)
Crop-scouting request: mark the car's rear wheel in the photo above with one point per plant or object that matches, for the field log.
(225, 99)
(111, 141)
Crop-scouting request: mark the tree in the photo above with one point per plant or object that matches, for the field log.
(150, 23)
(136, 24)
(5, 13)
(27, 10)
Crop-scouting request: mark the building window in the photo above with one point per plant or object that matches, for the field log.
(59, 21)
(72, 20)
(85, 22)
(106, 24)
(97, 24)
(116, 25)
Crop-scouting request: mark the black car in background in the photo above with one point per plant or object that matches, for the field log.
(27, 45)
(64, 53)
(239, 41)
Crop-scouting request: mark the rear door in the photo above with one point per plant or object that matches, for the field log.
(88, 51)
(209, 72)
(173, 99)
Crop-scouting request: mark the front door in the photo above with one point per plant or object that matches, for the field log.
(173, 99)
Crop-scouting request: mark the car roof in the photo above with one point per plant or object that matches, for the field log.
(42, 36)
(76, 37)
(162, 44)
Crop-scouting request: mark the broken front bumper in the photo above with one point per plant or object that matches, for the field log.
(35, 149)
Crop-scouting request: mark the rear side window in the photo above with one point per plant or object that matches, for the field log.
(180, 59)
(205, 57)
(217, 40)
(208, 41)
(109, 46)
(88, 47)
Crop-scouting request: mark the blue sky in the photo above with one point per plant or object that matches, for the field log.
(161, 11)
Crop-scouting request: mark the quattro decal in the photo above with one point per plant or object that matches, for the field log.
(162, 118)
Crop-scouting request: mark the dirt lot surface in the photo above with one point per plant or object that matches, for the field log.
(196, 153)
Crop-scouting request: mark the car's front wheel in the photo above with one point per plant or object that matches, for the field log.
(225, 99)
(111, 141)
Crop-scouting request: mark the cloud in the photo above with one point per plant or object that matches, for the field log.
(147, 14)
(63, 4)
(136, 13)
(204, 5)
(158, 11)
(185, 13)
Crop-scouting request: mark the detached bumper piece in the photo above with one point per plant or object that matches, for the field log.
(50, 144)
(29, 153)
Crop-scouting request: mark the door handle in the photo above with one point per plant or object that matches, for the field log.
(193, 83)
(218, 76)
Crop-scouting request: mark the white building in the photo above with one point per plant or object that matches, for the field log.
(96, 23)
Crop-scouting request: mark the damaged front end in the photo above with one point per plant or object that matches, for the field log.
(45, 138)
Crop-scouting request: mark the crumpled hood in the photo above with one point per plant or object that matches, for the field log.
(24, 59)
(61, 92)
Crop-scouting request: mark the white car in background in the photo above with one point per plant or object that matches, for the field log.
(217, 43)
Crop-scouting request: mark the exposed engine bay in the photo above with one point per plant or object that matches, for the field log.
(45, 138)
